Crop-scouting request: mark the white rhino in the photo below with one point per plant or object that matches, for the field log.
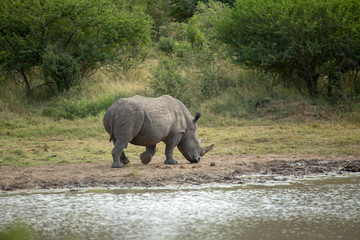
(147, 121)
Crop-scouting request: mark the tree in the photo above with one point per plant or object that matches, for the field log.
(302, 40)
(65, 39)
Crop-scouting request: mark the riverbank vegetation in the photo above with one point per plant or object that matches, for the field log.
(252, 92)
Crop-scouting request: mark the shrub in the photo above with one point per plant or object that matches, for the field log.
(304, 41)
(168, 79)
(166, 44)
(80, 108)
(60, 69)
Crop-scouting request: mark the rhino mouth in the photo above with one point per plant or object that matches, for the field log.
(194, 160)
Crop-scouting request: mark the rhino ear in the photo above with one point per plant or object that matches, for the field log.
(197, 116)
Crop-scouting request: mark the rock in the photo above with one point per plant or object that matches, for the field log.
(212, 164)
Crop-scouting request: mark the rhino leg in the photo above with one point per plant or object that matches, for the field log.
(117, 150)
(148, 154)
(169, 154)
(124, 159)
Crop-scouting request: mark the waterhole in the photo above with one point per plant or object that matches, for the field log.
(326, 208)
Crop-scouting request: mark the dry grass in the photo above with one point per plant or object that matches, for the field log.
(294, 138)
(111, 83)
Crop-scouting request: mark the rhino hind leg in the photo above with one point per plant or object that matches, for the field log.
(124, 159)
(116, 152)
(148, 154)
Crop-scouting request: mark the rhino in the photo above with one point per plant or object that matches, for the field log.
(147, 121)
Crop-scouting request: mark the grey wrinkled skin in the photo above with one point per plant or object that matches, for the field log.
(147, 121)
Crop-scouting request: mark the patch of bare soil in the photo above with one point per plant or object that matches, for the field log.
(230, 169)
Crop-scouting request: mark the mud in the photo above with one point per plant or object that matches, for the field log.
(232, 169)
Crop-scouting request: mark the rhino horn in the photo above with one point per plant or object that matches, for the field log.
(206, 149)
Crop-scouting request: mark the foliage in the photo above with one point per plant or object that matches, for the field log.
(193, 47)
(188, 61)
(60, 69)
(305, 41)
(68, 39)
(158, 10)
(183, 10)
(215, 73)
(166, 44)
(79, 107)
(167, 79)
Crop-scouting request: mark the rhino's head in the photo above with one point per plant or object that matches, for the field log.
(190, 146)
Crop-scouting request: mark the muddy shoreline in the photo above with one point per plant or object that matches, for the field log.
(232, 169)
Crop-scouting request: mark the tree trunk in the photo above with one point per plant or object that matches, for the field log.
(22, 72)
(311, 83)
(330, 91)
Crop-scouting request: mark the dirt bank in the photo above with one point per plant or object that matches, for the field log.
(212, 169)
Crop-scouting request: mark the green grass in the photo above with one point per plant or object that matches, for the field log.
(17, 232)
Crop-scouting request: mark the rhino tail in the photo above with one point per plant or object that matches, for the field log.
(112, 136)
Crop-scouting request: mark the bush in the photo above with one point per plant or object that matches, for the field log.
(60, 69)
(304, 41)
(79, 107)
(166, 44)
(166, 79)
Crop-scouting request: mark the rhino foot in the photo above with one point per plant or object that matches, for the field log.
(170, 161)
(124, 160)
(145, 157)
(117, 165)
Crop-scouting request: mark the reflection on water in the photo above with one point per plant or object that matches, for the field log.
(312, 209)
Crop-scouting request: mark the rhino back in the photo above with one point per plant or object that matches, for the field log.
(164, 117)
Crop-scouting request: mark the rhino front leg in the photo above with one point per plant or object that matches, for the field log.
(117, 150)
(148, 154)
(169, 154)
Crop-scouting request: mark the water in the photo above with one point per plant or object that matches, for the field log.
(307, 209)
